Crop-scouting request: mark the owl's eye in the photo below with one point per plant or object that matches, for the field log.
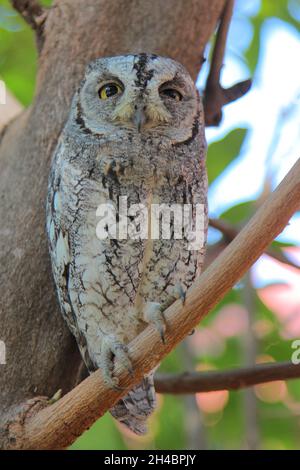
(108, 90)
(171, 93)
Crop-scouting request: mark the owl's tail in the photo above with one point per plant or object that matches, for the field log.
(134, 409)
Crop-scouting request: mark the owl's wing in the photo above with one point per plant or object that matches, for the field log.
(59, 248)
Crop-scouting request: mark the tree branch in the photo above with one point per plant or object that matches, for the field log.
(34, 14)
(234, 379)
(215, 96)
(58, 425)
(230, 232)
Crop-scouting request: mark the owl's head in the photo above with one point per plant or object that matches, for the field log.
(141, 93)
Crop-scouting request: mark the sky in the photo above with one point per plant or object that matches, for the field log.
(270, 112)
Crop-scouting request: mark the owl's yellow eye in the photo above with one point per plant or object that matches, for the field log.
(171, 93)
(108, 90)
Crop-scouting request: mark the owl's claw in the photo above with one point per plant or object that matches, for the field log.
(112, 348)
(121, 353)
(180, 293)
(57, 396)
(110, 381)
(153, 314)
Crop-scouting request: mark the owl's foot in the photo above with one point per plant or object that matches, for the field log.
(153, 314)
(113, 349)
(57, 396)
(154, 311)
(179, 293)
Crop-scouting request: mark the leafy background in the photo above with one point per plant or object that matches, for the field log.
(258, 320)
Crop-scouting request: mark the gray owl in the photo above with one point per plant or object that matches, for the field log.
(135, 132)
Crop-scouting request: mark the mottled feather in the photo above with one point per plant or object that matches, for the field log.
(104, 286)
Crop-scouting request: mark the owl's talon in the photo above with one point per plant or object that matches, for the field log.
(153, 314)
(111, 382)
(117, 388)
(121, 353)
(112, 348)
(162, 336)
(180, 293)
(57, 396)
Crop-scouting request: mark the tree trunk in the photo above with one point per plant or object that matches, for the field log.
(41, 355)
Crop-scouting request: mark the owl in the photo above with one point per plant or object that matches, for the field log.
(135, 134)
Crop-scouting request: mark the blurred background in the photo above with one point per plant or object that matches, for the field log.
(248, 155)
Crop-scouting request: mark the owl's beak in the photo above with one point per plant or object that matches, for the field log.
(139, 117)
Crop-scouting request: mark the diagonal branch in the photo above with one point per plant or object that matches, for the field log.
(229, 232)
(234, 379)
(76, 411)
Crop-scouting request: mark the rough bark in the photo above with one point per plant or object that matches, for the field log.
(41, 355)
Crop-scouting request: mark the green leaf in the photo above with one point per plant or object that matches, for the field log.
(239, 213)
(18, 63)
(223, 152)
(279, 245)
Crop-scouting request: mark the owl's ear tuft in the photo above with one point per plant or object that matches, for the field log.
(92, 66)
